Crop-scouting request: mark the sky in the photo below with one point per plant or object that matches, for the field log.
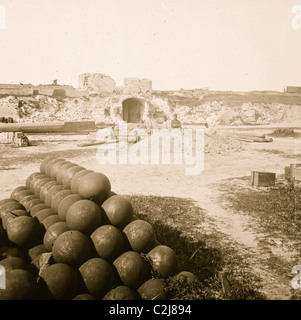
(237, 45)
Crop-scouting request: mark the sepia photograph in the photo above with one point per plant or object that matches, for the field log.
(150, 150)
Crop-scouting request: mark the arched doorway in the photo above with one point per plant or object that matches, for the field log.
(132, 110)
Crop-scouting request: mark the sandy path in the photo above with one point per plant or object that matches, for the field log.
(170, 180)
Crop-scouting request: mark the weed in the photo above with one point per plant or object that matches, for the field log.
(278, 208)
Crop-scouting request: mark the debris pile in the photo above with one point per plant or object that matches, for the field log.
(190, 108)
(217, 113)
(221, 144)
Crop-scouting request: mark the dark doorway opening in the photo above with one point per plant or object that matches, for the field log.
(59, 94)
(132, 110)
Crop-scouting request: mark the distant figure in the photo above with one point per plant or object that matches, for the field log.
(24, 141)
(175, 123)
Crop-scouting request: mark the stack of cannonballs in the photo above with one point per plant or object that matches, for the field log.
(65, 235)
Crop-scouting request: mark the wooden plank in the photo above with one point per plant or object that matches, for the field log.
(246, 139)
(92, 143)
(251, 135)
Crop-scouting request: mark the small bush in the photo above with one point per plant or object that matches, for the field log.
(278, 208)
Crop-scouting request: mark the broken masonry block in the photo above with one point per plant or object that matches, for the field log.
(263, 179)
(297, 174)
(293, 167)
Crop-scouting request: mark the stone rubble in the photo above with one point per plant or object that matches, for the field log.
(108, 109)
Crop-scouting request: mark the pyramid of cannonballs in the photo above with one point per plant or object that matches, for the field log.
(65, 235)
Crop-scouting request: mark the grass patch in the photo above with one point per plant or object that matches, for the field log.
(278, 209)
(277, 217)
(221, 271)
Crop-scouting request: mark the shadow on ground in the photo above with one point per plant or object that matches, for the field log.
(177, 224)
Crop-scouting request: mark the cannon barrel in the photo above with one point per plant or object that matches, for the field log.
(52, 127)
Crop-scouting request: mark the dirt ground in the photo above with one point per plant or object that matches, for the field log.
(237, 229)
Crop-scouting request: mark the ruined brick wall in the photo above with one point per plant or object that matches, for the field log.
(69, 90)
(15, 89)
(136, 86)
(28, 90)
(96, 83)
